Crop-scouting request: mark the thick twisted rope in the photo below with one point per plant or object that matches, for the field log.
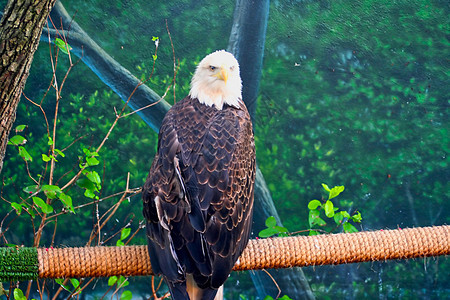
(269, 253)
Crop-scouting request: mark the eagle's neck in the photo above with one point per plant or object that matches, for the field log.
(216, 93)
(216, 100)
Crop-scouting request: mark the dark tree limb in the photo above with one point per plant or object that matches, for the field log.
(246, 42)
(119, 79)
(247, 38)
(20, 28)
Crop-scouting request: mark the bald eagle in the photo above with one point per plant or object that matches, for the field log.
(198, 196)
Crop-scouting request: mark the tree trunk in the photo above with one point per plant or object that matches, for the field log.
(20, 30)
(246, 42)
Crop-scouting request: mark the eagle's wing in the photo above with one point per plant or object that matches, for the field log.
(198, 197)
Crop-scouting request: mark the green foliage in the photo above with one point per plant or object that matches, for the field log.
(124, 233)
(44, 207)
(285, 297)
(63, 46)
(126, 295)
(74, 289)
(272, 229)
(315, 220)
(18, 294)
(121, 282)
(340, 217)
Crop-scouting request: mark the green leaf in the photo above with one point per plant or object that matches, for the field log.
(155, 38)
(313, 232)
(285, 297)
(314, 204)
(125, 233)
(89, 153)
(126, 295)
(120, 243)
(320, 222)
(17, 140)
(60, 43)
(86, 184)
(89, 194)
(326, 187)
(280, 229)
(24, 154)
(357, 218)
(112, 280)
(60, 281)
(336, 191)
(122, 282)
(313, 215)
(51, 190)
(18, 294)
(45, 208)
(46, 158)
(65, 48)
(349, 228)
(39, 202)
(60, 153)
(268, 297)
(268, 232)
(92, 161)
(17, 207)
(329, 209)
(94, 177)
(345, 214)
(338, 218)
(75, 282)
(20, 128)
(154, 56)
(50, 141)
(28, 209)
(31, 189)
(271, 221)
(67, 201)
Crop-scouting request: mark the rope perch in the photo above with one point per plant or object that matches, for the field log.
(269, 253)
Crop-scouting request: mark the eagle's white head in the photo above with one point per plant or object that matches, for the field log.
(217, 81)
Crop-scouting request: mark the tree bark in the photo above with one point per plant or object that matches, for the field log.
(20, 30)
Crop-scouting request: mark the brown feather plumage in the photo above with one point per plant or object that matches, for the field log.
(198, 197)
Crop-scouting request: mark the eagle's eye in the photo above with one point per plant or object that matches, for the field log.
(212, 68)
(232, 68)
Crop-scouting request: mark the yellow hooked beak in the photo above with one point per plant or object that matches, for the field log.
(222, 74)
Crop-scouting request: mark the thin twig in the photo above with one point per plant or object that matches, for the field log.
(141, 225)
(274, 281)
(114, 209)
(131, 191)
(175, 69)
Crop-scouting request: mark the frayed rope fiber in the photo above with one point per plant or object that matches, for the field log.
(268, 253)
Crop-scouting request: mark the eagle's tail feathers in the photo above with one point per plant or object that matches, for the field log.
(178, 290)
(197, 293)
